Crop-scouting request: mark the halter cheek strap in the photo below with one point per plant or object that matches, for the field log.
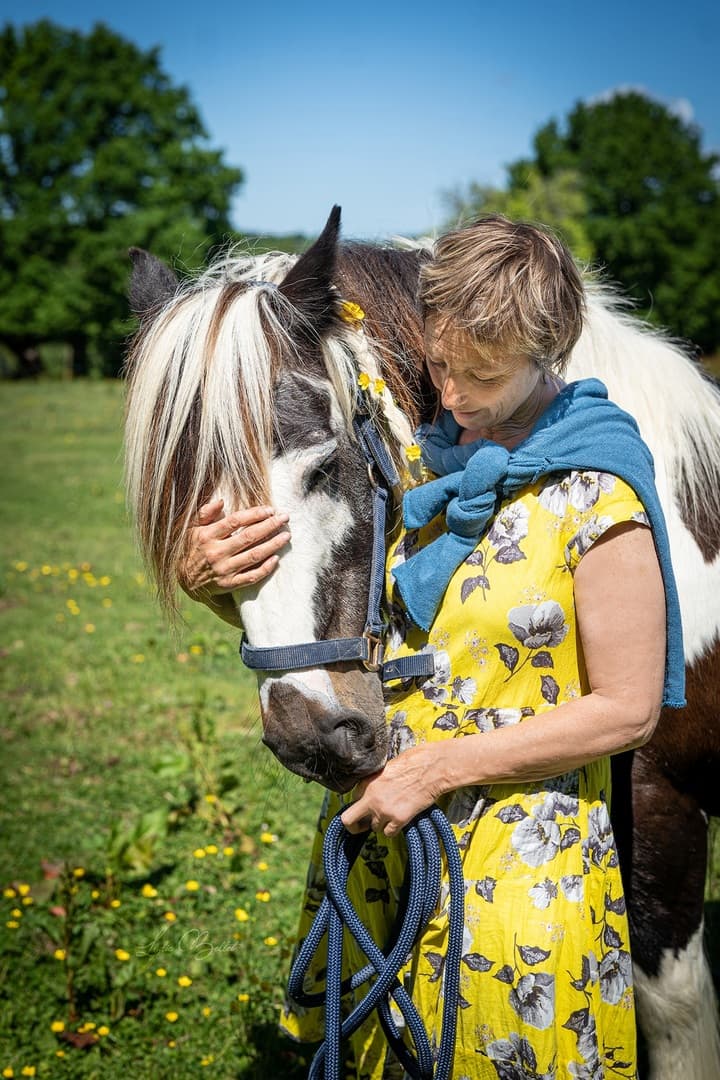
(368, 648)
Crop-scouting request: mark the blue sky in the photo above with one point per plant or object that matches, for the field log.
(383, 106)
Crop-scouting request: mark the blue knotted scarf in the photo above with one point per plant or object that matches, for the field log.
(580, 429)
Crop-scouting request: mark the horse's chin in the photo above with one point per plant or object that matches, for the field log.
(334, 779)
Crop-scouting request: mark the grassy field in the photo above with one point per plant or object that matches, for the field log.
(132, 758)
(153, 853)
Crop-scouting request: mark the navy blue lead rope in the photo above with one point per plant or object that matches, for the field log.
(423, 836)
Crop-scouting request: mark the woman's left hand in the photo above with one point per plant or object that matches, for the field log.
(408, 784)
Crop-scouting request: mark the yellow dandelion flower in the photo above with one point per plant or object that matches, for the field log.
(8, 1071)
(16, 913)
(210, 797)
(107, 602)
(21, 567)
(85, 567)
(211, 849)
(199, 853)
(171, 1016)
(160, 972)
(105, 580)
(59, 1053)
(9, 893)
(89, 1025)
(207, 1060)
(115, 903)
(262, 866)
(206, 1011)
(170, 915)
(148, 891)
(12, 924)
(241, 914)
(228, 851)
(78, 872)
(121, 954)
(243, 998)
(270, 941)
(46, 570)
(172, 1044)
(196, 650)
(184, 980)
(413, 452)
(351, 312)
(28, 900)
(57, 1025)
(59, 954)
(89, 628)
(263, 895)
(379, 386)
(267, 838)
(364, 380)
(28, 1070)
(73, 574)
(103, 1030)
(94, 894)
(137, 658)
(192, 886)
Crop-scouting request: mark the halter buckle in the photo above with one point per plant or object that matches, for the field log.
(376, 651)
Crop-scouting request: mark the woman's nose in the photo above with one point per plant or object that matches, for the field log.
(451, 397)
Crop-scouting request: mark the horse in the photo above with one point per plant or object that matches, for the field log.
(243, 382)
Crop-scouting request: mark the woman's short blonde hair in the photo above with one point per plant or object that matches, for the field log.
(510, 284)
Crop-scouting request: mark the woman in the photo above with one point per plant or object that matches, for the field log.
(540, 591)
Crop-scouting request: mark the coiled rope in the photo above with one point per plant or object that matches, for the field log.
(425, 836)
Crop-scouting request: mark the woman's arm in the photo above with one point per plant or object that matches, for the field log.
(230, 551)
(620, 609)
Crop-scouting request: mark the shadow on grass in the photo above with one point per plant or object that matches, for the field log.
(276, 1056)
(712, 938)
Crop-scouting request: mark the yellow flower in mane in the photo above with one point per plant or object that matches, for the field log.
(364, 380)
(379, 386)
(351, 313)
(413, 452)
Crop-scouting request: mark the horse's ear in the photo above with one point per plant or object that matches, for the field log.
(308, 286)
(152, 283)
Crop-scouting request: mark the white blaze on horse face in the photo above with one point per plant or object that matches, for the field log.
(280, 610)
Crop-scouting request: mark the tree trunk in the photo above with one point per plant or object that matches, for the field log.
(80, 356)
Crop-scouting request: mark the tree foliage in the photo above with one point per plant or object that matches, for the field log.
(557, 200)
(651, 210)
(98, 152)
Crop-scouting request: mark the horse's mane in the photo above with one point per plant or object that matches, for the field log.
(676, 405)
(201, 375)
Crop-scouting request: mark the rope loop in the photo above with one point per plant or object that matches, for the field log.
(427, 837)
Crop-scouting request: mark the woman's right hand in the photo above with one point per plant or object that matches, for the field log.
(230, 551)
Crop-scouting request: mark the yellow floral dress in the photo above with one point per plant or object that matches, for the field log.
(546, 979)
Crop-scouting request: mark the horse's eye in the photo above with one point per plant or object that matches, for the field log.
(322, 477)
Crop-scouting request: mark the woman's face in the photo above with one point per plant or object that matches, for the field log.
(483, 387)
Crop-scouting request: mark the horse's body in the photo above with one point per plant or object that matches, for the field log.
(247, 388)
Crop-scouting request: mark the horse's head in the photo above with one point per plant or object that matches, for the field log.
(242, 383)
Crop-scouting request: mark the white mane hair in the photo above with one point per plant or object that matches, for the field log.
(677, 406)
(200, 404)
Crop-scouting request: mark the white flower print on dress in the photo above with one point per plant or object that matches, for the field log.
(510, 526)
(586, 536)
(538, 626)
(533, 999)
(581, 490)
(615, 975)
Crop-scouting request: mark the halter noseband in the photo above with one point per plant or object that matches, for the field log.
(369, 647)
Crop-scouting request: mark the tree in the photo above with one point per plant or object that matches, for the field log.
(98, 152)
(556, 200)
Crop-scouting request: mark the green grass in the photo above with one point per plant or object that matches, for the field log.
(113, 733)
